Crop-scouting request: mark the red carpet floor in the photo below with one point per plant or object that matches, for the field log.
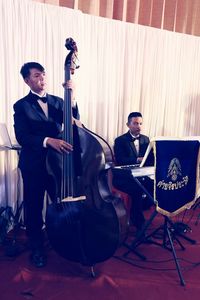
(116, 279)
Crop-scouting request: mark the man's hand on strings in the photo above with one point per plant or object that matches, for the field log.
(59, 145)
(70, 84)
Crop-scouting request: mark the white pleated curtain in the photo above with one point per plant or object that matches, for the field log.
(123, 67)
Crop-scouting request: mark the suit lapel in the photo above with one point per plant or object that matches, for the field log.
(36, 107)
(39, 111)
(132, 145)
(51, 107)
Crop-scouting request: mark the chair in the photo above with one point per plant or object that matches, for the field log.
(176, 182)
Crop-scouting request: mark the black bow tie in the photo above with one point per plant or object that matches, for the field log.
(36, 97)
(136, 138)
(43, 99)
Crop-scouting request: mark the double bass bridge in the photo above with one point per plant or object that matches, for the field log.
(70, 198)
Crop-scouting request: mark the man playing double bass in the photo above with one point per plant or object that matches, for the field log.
(38, 119)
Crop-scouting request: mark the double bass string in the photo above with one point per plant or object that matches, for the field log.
(68, 172)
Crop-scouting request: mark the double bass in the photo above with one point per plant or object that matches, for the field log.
(85, 222)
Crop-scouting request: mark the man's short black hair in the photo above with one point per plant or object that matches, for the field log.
(25, 69)
(134, 114)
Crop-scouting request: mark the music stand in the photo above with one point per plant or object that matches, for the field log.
(175, 188)
(14, 215)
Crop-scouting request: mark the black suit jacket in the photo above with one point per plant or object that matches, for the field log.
(125, 151)
(32, 126)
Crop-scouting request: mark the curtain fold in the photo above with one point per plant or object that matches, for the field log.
(124, 67)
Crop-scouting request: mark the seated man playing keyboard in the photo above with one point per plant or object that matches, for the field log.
(129, 149)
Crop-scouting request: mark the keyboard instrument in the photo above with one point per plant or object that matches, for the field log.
(135, 170)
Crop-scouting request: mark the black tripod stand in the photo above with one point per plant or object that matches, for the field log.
(13, 248)
(169, 235)
(196, 206)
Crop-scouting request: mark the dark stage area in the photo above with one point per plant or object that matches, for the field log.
(116, 278)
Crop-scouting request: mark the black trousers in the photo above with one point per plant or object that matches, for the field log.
(125, 182)
(35, 183)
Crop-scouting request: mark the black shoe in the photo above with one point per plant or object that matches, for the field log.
(38, 258)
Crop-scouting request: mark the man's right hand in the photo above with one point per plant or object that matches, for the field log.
(139, 159)
(59, 145)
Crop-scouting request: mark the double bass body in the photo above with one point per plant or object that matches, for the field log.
(88, 230)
